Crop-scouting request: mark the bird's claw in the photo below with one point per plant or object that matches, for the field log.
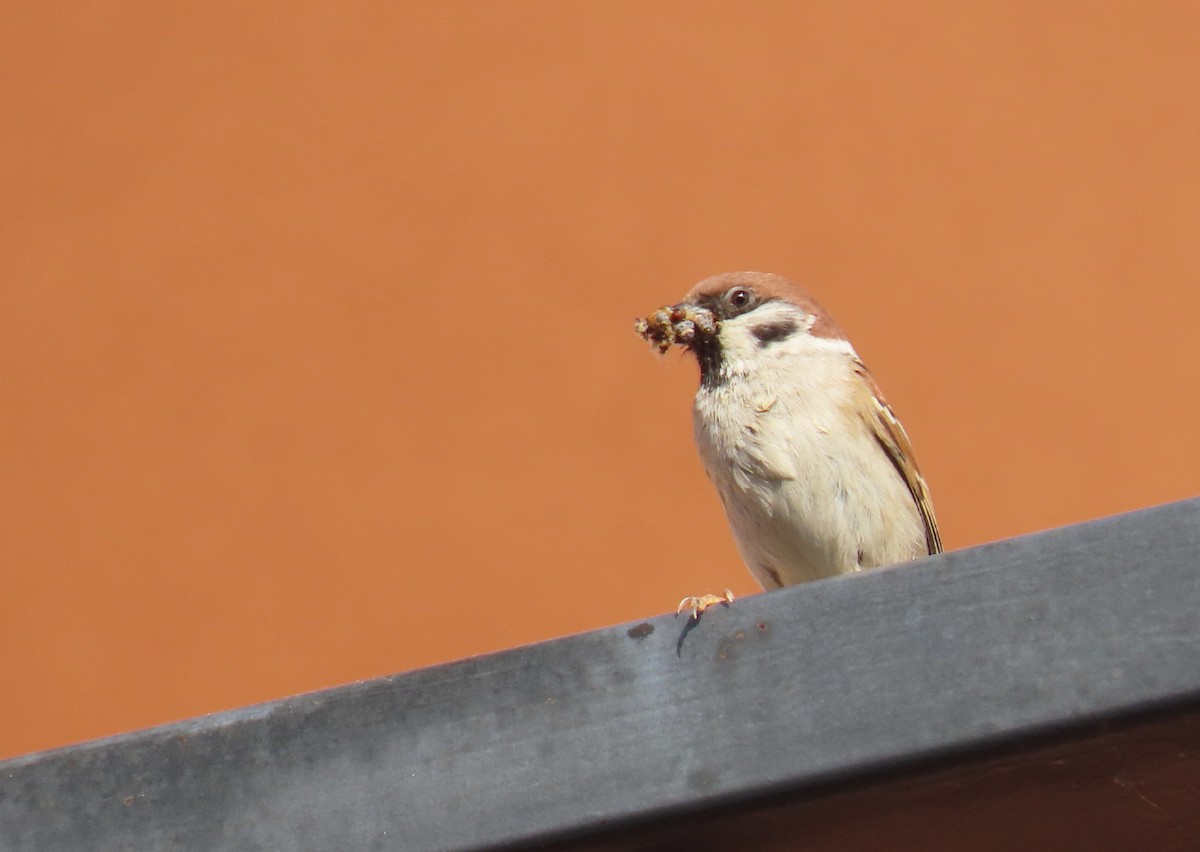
(698, 603)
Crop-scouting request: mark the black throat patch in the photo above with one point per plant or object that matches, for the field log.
(773, 332)
(708, 355)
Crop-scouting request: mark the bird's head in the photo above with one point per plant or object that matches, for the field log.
(732, 321)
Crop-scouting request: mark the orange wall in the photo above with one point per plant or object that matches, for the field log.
(315, 319)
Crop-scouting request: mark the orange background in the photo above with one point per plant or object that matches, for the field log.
(316, 318)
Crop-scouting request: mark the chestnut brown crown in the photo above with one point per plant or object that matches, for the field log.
(733, 293)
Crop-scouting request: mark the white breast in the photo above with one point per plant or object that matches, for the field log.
(807, 489)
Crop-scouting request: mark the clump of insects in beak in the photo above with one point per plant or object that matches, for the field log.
(673, 324)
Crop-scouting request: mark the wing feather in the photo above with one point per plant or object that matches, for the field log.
(883, 424)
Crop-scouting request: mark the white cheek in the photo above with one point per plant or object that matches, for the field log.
(746, 356)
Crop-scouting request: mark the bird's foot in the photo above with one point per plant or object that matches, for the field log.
(698, 603)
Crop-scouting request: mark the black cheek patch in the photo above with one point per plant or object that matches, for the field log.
(773, 332)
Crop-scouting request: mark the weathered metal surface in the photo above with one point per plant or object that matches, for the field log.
(768, 716)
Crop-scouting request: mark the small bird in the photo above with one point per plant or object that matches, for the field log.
(816, 474)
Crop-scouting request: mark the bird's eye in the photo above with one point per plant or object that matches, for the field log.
(739, 298)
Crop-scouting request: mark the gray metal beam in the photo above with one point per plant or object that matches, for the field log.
(861, 696)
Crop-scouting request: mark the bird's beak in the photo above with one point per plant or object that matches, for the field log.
(685, 324)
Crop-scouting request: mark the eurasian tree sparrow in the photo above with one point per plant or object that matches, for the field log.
(816, 474)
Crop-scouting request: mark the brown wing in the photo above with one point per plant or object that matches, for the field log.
(891, 436)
